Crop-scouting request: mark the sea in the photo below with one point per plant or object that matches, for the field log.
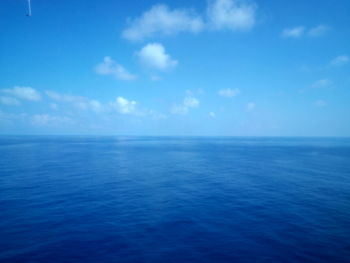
(174, 199)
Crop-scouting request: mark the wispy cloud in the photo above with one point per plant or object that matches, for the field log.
(318, 31)
(251, 106)
(339, 61)
(155, 78)
(160, 20)
(322, 83)
(124, 106)
(191, 102)
(50, 120)
(54, 106)
(24, 93)
(320, 103)
(120, 105)
(110, 67)
(228, 92)
(9, 101)
(183, 108)
(231, 14)
(78, 102)
(153, 55)
(300, 31)
(7, 118)
(294, 32)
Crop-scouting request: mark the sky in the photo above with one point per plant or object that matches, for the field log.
(207, 68)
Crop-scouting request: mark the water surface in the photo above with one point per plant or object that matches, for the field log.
(174, 199)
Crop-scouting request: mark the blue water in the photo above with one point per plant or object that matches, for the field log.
(174, 199)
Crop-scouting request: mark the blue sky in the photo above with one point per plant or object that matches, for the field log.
(220, 67)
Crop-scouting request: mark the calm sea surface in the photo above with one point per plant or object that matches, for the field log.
(174, 199)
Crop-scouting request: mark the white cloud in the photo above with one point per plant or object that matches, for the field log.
(191, 102)
(318, 31)
(120, 104)
(294, 32)
(236, 15)
(212, 114)
(159, 20)
(251, 106)
(25, 93)
(124, 106)
(340, 60)
(49, 120)
(188, 102)
(228, 92)
(110, 67)
(320, 103)
(9, 101)
(322, 83)
(299, 31)
(231, 14)
(78, 102)
(153, 55)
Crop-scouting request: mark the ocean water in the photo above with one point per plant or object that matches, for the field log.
(174, 199)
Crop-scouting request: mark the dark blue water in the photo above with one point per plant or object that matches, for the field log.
(136, 199)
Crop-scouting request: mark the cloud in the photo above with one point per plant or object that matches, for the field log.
(322, 83)
(110, 67)
(12, 118)
(156, 115)
(188, 102)
(231, 14)
(191, 102)
(25, 93)
(124, 106)
(299, 31)
(49, 120)
(339, 61)
(9, 101)
(295, 32)
(318, 31)
(153, 55)
(251, 106)
(179, 109)
(159, 20)
(320, 103)
(95, 105)
(235, 15)
(78, 102)
(228, 92)
(120, 104)
(212, 114)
